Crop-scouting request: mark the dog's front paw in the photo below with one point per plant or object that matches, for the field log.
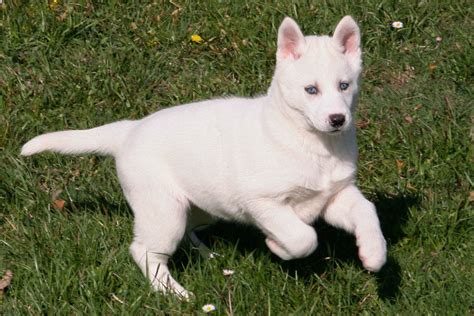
(372, 250)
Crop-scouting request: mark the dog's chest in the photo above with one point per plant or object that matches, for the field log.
(310, 192)
(314, 190)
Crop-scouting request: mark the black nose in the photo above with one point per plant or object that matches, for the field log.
(337, 120)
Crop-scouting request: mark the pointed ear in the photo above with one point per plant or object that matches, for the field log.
(290, 40)
(347, 36)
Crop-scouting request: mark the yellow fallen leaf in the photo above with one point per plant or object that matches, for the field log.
(196, 38)
(53, 4)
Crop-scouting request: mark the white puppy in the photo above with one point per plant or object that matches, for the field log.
(277, 161)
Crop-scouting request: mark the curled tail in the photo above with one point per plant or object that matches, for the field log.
(106, 139)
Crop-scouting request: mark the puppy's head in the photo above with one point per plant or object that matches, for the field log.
(317, 76)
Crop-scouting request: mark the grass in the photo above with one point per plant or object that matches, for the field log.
(79, 64)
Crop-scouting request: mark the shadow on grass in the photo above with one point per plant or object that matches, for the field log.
(393, 213)
(333, 244)
(104, 206)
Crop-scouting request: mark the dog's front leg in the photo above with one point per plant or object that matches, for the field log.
(287, 235)
(351, 211)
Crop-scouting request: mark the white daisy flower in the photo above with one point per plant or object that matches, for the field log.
(397, 25)
(227, 272)
(208, 308)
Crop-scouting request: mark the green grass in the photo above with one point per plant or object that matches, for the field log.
(79, 65)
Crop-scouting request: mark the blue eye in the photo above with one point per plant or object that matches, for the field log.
(343, 86)
(311, 90)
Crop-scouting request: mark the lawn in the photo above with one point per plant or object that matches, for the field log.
(65, 226)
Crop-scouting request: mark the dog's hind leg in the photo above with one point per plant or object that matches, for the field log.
(203, 250)
(160, 223)
(199, 220)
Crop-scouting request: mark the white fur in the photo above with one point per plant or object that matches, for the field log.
(274, 161)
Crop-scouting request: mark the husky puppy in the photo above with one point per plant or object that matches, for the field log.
(277, 161)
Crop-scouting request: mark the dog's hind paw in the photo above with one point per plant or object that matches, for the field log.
(167, 285)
